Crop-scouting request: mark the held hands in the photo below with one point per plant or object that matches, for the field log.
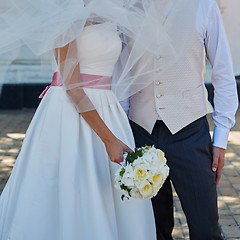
(218, 161)
(115, 149)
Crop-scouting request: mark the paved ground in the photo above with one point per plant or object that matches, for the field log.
(13, 125)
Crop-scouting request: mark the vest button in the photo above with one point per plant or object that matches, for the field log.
(157, 83)
(159, 95)
(158, 57)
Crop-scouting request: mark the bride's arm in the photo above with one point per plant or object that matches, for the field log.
(114, 147)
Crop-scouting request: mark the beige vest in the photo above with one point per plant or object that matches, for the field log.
(178, 96)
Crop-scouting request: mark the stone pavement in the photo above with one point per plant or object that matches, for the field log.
(13, 125)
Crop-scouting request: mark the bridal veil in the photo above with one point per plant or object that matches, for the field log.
(149, 29)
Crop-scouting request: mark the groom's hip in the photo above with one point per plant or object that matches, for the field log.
(196, 133)
(189, 150)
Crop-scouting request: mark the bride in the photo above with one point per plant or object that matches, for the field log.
(62, 184)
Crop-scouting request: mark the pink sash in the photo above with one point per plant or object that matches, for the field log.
(87, 80)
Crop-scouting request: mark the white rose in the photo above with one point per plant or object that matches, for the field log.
(142, 171)
(139, 161)
(157, 179)
(154, 169)
(146, 190)
(156, 189)
(149, 157)
(128, 171)
(135, 193)
(160, 153)
(165, 171)
(129, 182)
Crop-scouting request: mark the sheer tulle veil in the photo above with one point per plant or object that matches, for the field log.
(149, 29)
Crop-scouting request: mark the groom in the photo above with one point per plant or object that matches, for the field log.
(171, 114)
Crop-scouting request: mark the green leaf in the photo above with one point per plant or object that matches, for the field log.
(131, 157)
(124, 187)
(147, 147)
(122, 172)
(123, 196)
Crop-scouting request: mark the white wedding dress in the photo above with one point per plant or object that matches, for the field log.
(62, 185)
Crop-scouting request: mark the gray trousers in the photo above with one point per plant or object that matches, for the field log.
(189, 156)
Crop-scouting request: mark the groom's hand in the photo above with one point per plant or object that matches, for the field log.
(218, 161)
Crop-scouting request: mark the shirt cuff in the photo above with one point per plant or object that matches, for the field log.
(220, 137)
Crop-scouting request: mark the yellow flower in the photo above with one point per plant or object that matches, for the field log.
(156, 179)
(140, 173)
(146, 191)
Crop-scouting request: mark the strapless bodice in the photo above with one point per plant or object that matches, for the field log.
(99, 47)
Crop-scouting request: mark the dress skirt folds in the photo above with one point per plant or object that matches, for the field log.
(62, 185)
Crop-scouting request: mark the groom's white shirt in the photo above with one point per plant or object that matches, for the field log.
(212, 35)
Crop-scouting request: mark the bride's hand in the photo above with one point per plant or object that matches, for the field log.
(115, 149)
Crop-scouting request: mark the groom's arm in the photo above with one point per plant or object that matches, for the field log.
(225, 91)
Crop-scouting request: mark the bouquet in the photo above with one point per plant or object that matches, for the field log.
(142, 173)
